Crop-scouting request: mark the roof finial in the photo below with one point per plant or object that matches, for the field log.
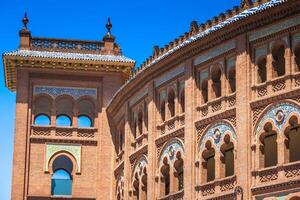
(108, 25)
(25, 21)
(109, 36)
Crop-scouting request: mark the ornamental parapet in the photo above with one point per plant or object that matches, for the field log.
(48, 133)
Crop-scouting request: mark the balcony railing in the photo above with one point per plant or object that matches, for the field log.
(277, 175)
(217, 105)
(174, 196)
(277, 85)
(217, 187)
(172, 124)
(65, 133)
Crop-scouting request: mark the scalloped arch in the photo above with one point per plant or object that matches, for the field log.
(223, 127)
(176, 144)
(271, 114)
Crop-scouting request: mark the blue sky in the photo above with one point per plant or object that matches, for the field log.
(137, 24)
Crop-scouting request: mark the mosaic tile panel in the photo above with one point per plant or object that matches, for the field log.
(216, 133)
(215, 52)
(279, 114)
(74, 150)
(170, 150)
(173, 73)
(75, 92)
(288, 23)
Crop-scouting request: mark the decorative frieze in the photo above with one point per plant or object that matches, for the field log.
(55, 91)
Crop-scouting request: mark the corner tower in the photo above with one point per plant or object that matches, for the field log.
(62, 142)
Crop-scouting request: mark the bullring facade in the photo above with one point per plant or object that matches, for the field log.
(215, 114)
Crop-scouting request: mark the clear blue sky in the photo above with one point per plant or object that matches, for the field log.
(137, 24)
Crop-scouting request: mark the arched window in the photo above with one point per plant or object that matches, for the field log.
(182, 101)
(165, 179)
(293, 135)
(278, 60)
(163, 110)
(297, 57)
(178, 165)
(269, 146)
(84, 121)
(86, 113)
(171, 102)
(61, 180)
(144, 184)
(42, 120)
(228, 156)
(231, 80)
(140, 122)
(204, 90)
(136, 186)
(216, 81)
(209, 164)
(262, 70)
(63, 120)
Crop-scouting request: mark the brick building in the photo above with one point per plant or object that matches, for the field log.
(214, 114)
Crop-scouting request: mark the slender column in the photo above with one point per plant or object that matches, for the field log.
(269, 67)
(189, 135)
(288, 66)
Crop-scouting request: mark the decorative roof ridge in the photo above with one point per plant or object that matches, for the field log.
(196, 33)
(66, 39)
(68, 55)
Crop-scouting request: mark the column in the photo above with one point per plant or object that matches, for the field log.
(20, 137)
(190, 133)
(243, 119)
(127, 150)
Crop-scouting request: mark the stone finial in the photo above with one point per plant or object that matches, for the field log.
(109, 37)
(193, 27)
(245, 4)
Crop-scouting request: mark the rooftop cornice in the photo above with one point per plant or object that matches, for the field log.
(205, 31)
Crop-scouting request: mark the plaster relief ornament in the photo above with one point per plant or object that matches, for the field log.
(279, 116)
(171, 152)
(217, 135)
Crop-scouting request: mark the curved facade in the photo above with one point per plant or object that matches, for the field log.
(212, 115)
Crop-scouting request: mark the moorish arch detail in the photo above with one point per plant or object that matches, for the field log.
(140, 165)
(170, 150)
(216, 133)
(74, 150)
(278, 115)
